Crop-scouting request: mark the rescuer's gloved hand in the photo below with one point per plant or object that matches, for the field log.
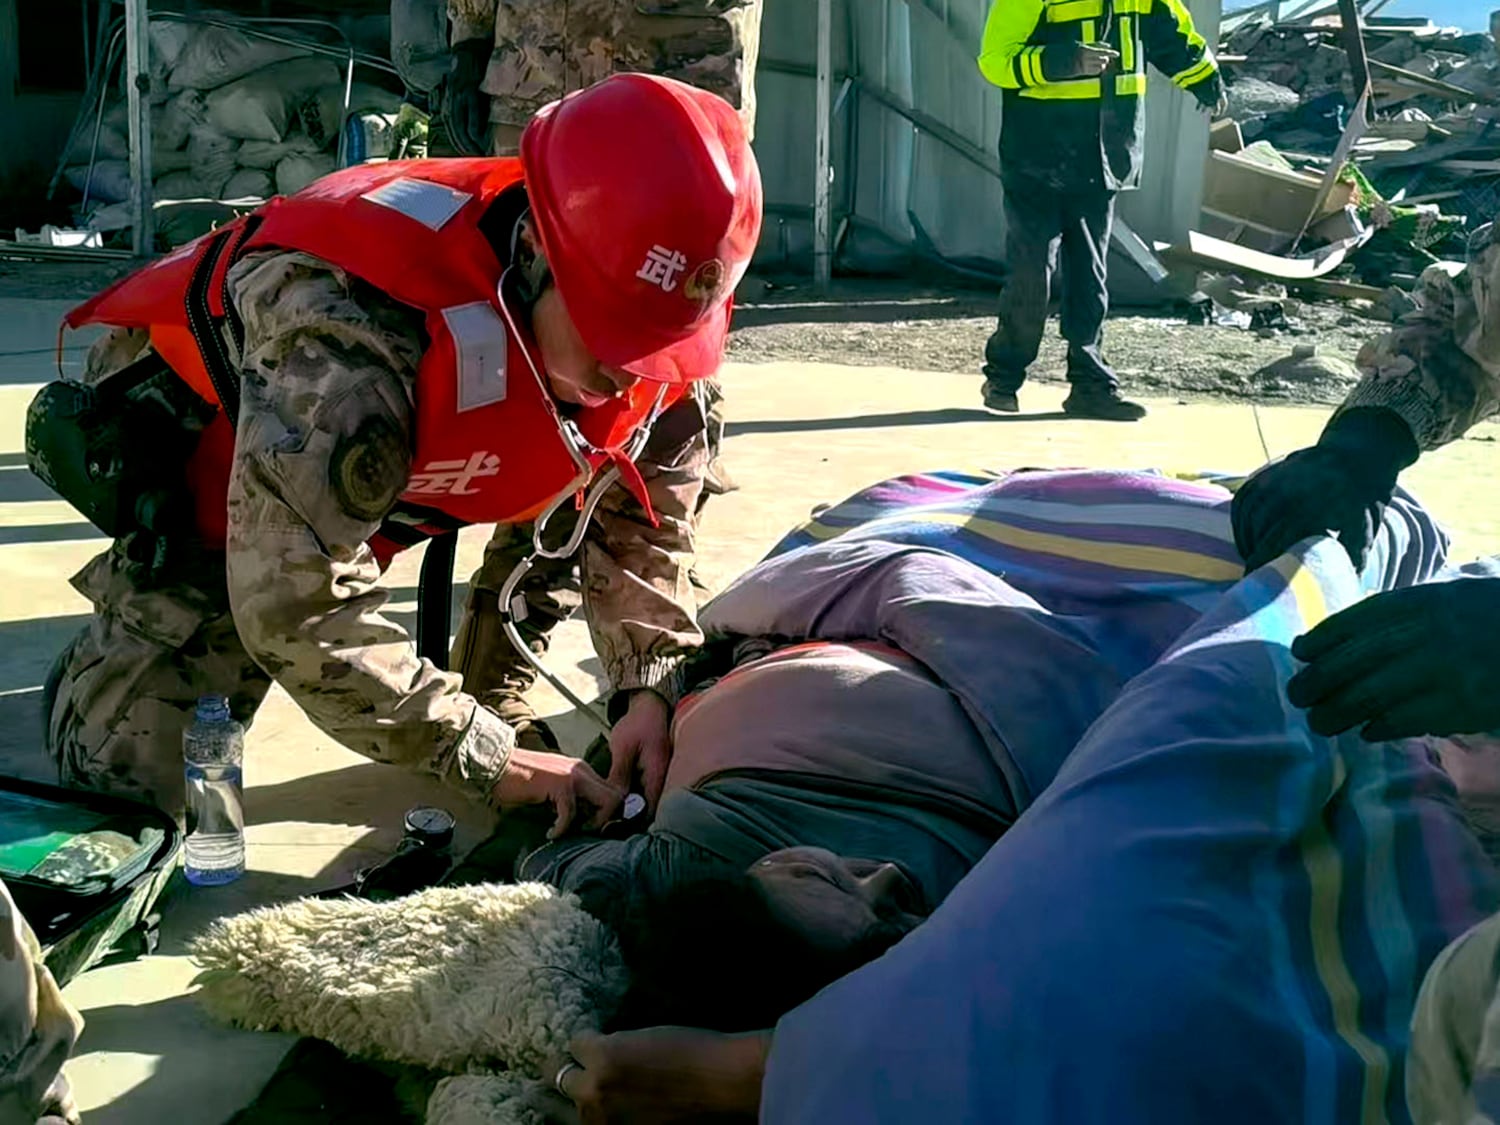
(1341, 485)
(1405, 663)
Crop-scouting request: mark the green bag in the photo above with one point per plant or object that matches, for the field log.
(85, 870)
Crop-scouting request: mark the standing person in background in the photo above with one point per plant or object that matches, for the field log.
(1074, 76)
(508, 58)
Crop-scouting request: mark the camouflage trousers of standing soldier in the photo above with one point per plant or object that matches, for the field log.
(492, 669)
(123, 691)
(38, 1028)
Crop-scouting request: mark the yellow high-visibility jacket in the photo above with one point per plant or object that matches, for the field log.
(1079, 133)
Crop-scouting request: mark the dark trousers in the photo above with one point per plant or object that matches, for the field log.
(1047, 228)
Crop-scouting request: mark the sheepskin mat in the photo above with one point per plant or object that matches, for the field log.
(490, 1099)
(457, 979)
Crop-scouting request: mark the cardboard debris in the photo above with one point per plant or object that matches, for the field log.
(1217, 253)
(1268, 205)
(1381, 167)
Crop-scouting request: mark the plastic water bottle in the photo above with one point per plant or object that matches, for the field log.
(212, 750)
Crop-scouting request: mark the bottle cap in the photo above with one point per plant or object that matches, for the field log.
(212, 707)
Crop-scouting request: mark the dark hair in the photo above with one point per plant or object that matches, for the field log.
(705, 950)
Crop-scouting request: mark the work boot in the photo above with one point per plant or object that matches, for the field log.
(1000, 402)
(1103, 403)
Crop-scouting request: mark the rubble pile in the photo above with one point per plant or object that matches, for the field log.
(1305, 187)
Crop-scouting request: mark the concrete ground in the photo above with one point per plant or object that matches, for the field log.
(800, 434)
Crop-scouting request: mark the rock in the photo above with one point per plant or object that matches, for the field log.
(1255, 97)
(1305, 367)
(1243, 296)
(1395, 303)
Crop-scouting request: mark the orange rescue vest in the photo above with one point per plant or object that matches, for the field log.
(490, 443)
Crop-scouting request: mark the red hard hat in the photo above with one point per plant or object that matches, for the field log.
(647, 200)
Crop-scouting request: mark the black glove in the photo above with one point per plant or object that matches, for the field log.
(466, 107)
(1411, 662)
(1341, 485)
(1210, 95)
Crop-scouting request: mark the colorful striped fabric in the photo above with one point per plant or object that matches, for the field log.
(1213, 914)
(1072, 538)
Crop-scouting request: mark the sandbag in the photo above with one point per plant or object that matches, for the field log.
(249, 183)
(322, 110)
(296, 172)
(110, 182)
(181, 185)
(164, 161)
(111, 217)
(114, 144)
(267, 154)
(172, 124)
(215, 56)
(167, 40)
(211, 159)
(259, 106)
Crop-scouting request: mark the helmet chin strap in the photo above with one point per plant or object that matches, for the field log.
(512, 606)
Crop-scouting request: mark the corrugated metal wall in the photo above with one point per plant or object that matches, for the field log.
(915, 138)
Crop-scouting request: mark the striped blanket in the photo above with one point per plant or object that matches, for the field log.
(1075, 539)
(1212, 914)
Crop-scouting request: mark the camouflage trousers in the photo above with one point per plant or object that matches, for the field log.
(492, 669)
(38, 1028)
(544, 48)
(123, 691)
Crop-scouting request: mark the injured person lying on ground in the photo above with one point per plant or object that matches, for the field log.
(1004, 760)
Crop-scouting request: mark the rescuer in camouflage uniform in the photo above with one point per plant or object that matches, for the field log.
(323, 354)
(327, 366)
(509, 58)
(38, 1029)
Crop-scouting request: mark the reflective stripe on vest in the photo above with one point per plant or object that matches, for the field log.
(1086, 14)
(1081, 89)
(1066, 11)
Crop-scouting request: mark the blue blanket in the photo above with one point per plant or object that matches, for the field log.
(1212, 914)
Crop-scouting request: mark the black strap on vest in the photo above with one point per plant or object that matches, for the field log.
(207, 328)
(435, 598)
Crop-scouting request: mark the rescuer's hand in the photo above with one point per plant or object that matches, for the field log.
(1089, 60)
(567, 784)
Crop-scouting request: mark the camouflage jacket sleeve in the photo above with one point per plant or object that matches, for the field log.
(637, 594)
(471, 19)
(321, 455)
(1440, 368)
(38, 1028)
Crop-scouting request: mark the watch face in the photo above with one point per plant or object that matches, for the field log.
(429, 821)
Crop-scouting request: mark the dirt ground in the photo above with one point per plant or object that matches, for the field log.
(1155, 353)
(892, 323)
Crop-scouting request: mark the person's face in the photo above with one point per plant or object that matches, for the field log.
(833, 901)
(573, 375)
